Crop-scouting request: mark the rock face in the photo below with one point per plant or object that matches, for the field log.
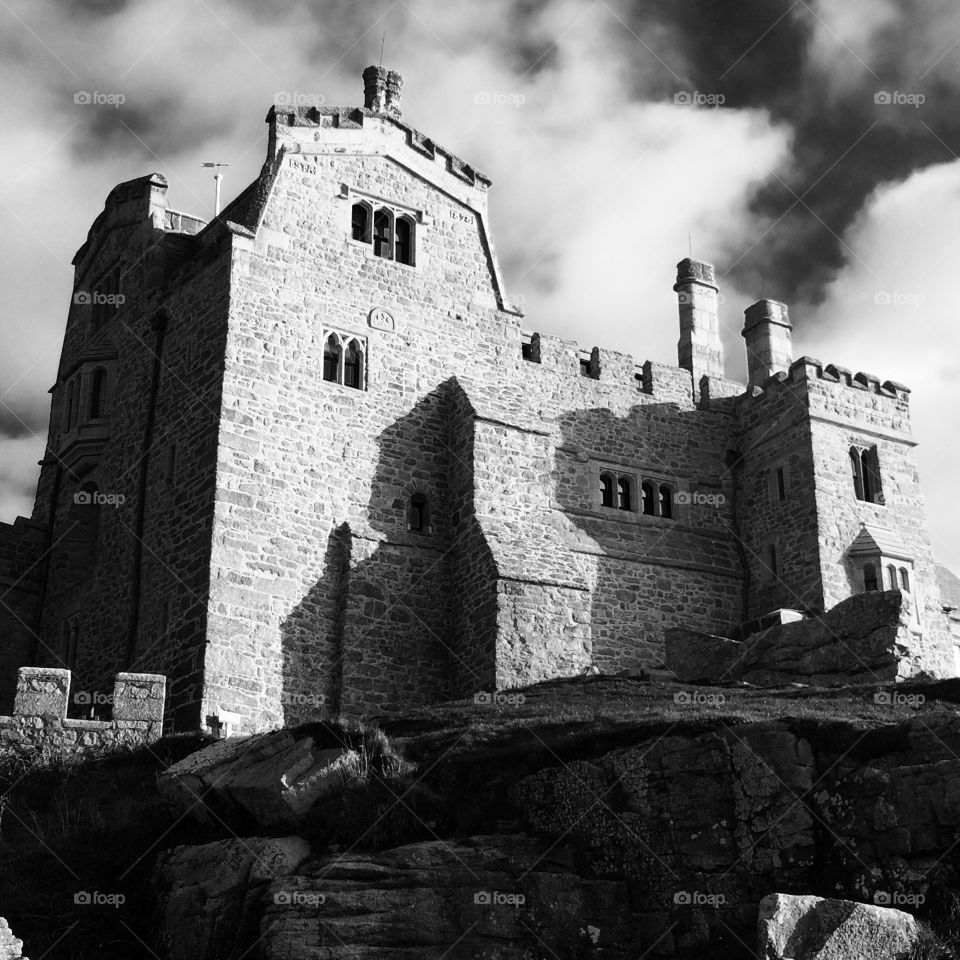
(211, 894)
(667, 845)
(700, 657)
(867, 636)
(270, 779)
(10, 946)
(811, 928)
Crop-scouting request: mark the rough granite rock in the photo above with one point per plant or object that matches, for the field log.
(10, 946)
(700, 657)
(812, 928)
(211, 894)
(271, 778)
(866, 636)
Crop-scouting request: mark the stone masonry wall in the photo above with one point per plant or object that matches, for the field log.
(39, 728)
(21, 547)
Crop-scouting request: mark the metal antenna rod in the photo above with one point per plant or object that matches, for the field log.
(383, 40)
(217, 177)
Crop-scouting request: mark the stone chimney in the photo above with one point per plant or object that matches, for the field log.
(768, 333)
(381, 90)
(699, 349)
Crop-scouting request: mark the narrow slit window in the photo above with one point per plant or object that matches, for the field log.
(773, 561)
(98, 390)
(869, 577)
(781, 484)
(904, 580)
(419, 513)
(892, 577)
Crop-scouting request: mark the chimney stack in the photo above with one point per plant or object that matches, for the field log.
(699, 349)
(381, 90)
(768, 333)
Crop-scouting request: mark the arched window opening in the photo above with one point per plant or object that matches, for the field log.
(904, 580)
(649, 498)
(419, 518)
(869, 577)
(383, 233)
(360, 222)
(624, 498)
(331, 359)
(98, 392)
(856, 464)
(892, 577)
(403, 244)
(866, 474)
(353, 365)
(606, 490)
(666, 500)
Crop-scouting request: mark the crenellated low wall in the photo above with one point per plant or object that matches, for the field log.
(40, 727)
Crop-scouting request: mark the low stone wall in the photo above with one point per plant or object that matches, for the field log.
(39, 725)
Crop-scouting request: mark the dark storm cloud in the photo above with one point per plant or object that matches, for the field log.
(149, 128)
(756, 53)
(19, 419)
(93, 8)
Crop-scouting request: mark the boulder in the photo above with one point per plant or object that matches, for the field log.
(271, 779)
(866, 637)
(700, 657)
(10, 946)
(812, 928)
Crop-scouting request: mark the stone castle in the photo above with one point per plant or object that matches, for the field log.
(305, 460)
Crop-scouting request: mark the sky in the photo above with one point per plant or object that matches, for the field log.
(809, 149)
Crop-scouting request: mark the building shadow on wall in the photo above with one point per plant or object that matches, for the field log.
(657, 565)
(377, 632)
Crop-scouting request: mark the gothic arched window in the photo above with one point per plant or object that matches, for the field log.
(353, 365)
(648, 491)
(606, 490)
(403, 244)
(666, 500)
(331, 359)
(383, 233)
(624, 494)
(360, 222)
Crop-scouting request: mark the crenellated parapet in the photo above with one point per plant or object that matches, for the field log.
(39, 725)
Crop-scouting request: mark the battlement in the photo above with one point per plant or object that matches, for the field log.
(39, 724)
(809, 368)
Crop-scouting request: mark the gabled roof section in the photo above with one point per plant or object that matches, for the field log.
(873, 541)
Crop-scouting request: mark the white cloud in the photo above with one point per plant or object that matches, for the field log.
(904, 251)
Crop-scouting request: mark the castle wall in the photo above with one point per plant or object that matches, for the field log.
(163, 382)
(21, 547)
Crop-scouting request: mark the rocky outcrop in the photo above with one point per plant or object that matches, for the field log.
(10, 946)
(867, 636)
(677, 836)
(812, 928)
(270, 780)
(212, 895)
(696, 657)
